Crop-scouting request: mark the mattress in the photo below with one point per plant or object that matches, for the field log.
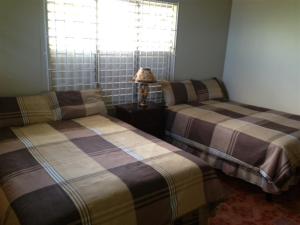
(98, 170)
(259, 145)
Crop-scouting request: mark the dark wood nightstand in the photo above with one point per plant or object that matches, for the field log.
(149, 119)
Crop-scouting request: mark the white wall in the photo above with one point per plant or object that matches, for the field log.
(202, 38)
(21, 47)
(262, 65)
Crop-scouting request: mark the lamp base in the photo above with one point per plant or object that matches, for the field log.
(144, 90)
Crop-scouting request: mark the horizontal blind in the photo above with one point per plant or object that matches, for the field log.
(106, 41)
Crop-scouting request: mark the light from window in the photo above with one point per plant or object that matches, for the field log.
(104, 42)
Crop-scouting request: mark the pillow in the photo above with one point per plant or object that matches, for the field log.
(209, 89)
(25, 110)
(75, 104)
(178, 92)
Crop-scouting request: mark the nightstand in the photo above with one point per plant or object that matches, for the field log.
(149, 119)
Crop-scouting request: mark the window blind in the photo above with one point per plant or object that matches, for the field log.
(104, 42)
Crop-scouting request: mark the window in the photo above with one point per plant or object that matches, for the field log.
(104, 42)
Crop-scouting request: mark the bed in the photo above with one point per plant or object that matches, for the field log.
(94, 169)
(256, 144)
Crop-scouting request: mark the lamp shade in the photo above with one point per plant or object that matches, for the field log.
(144, 75)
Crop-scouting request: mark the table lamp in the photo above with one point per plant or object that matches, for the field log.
(144, 76)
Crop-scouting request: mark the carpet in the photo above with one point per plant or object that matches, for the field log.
(247, 205)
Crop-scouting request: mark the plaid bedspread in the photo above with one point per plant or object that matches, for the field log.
(97, 170)
(257, 144)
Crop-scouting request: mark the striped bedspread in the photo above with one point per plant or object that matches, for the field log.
(97, 170)
(259, 145)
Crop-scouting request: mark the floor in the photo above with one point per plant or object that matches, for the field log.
(247, 205)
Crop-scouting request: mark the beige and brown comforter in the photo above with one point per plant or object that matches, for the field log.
(97, 170)
(259, 145)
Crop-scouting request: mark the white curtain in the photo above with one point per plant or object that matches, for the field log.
(106, 41)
